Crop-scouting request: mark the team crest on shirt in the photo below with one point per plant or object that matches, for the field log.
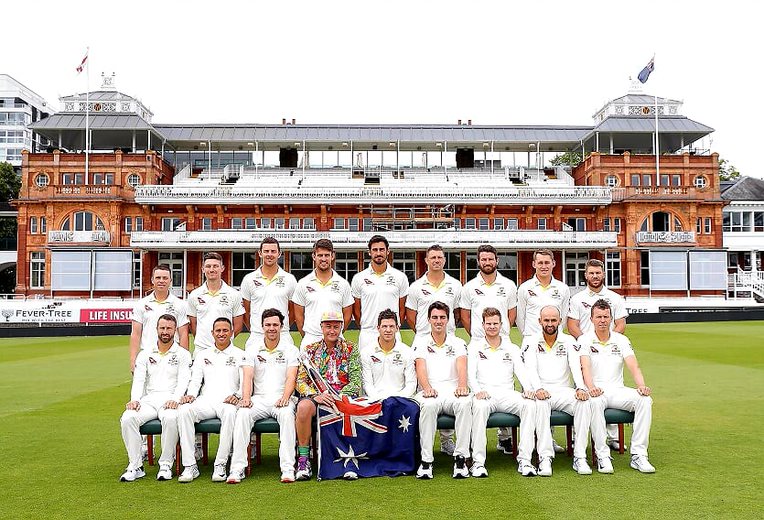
(375, 359)
(173, 361)
(501, 292)
(482, 356)
(507, 358)
(224, 301)
(171, 310)
(556, 294)
(531, 293)
(397, 359)
(450, 352)
(280, 357)
(280, 282)
(152, 361)
(230, 362)
(561, 350)
(615, 350)
(390, 280)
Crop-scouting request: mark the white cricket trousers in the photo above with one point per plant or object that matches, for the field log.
(563, 399)
(261, 408)
(507, 402)
(152, 407)
(446, 402)
(622, 398)
(191, 413)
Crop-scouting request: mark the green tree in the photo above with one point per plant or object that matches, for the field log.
(567, 159)
(727, 171)
(10, 182)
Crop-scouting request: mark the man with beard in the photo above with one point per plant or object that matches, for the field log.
(375, 289)
(160, 379)
(552, 359)
(320, 292)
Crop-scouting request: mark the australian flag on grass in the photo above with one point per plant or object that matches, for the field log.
(368, 438)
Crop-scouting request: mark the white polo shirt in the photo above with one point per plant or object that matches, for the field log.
(219, 370)
(318, 298)
(378, 292)
(532, 297)
(440, 359)
(207, 307)
(147, 312)
(581, 307)
(553, 366)
(477, 295)
(493, 369)
(388, 373)
(421, 295)
(267, 293)
(606, 357)
(270, 367)
(157, 373)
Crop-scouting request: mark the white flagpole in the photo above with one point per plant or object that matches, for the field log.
(87, 118)
(657, 147)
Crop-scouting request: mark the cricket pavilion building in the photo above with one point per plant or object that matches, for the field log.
(95, 224)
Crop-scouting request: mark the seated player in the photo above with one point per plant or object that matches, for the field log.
(441, 369)
(338, 362)
(215, 373)
(160, 379)
(604, 354)
(388, 364)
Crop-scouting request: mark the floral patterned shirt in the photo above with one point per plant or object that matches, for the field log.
(341, 368)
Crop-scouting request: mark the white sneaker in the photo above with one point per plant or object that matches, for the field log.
(479, 471)
(132, 474)
(235, 477)
(218, 474)
(460, 468)
(525, 468)
(605, 465)
(581, 467)
(557, 447)
(613, 445)
(641, 464)
(447, 446)
(164, 473)
(287, 476)
(189, 474)
(545, 467)
(424, 471)
(304, 471)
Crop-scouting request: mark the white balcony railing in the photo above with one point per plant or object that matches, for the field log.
(353, 240)
(521, 195)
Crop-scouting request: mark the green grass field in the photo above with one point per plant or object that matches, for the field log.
(62, 454)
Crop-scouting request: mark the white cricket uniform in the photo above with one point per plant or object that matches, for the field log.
(443, 377)
(267, 293)
(378, 292)
(421, 295)
(318, 298)
(552, 368)
(219, 370)
(147, 312)
(493, 370)
(532, 297)
(477, 295)
(390, 373)
(157, 378)
(207, 307)
(581, 307)
(607, 359)
(270, 375)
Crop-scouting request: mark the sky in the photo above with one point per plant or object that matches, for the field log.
(541, 62)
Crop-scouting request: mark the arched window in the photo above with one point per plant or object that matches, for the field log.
(661, 221)
(82, 221)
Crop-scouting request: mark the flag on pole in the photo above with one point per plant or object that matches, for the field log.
(81, 66)
(645, 73)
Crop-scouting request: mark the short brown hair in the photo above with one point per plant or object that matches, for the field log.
(161, 267)
(213, 256)
(323, 243)
(436, 305)
(594, 262)
(387, 314)
(491, 311)
(543, 252)
(602, 304)
(270, 240)
(487, 248)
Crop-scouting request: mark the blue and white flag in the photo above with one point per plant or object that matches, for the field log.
(645, 73)
(368, 438)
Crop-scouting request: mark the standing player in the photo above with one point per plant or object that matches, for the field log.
(378, 287)
(488, 289)
(441, 370)
(606, 352)
(212, 300)
(387, 365)
(160, 379)
(322, 291)
(267, 287)
(493, 363)
(434, 286)
(212, 392)
(541, 290)
(552, 359)
(339, 363)
(271, 370)
(143, 335)
(579, 316)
